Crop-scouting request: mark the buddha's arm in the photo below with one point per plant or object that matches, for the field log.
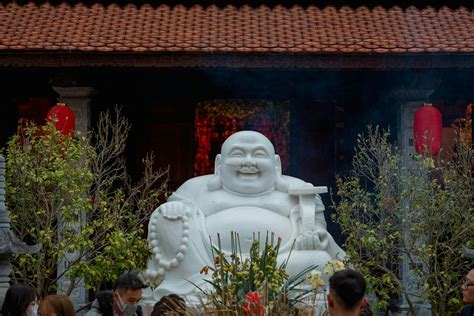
(312, 230)
(311, 208)
(174, 226)
(168, 246)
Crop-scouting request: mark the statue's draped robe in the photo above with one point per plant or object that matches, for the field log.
(218, 211)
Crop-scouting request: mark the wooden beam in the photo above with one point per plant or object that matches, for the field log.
(233, 60)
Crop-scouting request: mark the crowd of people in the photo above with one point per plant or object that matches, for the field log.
(21, 300)
(346, 297)
(122, 300)
(347, 288)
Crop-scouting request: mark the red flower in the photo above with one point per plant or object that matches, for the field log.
(252, 297)
(252, 305)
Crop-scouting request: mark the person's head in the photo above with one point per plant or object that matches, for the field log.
(468, 287)
(20, 300)
(57, 305)
(169, 305)
(346, 293)
(247, 163)
(127, 293)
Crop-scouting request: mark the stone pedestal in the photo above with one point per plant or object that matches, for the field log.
(9, 243)
(4, 276)
(4, 227)
(79, 100)
(409, 100)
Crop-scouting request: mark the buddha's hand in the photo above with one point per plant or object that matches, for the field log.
(313, 240)
(173, 210)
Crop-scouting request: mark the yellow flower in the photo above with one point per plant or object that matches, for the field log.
(429, 162)
(338, 265)
(333, 266)
(315, 279)
(328, 268)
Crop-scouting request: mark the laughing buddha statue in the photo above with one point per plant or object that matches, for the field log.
(247, 194)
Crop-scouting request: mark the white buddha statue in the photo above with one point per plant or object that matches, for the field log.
(247, 194)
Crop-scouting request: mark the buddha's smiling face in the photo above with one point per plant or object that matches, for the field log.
(248, 163)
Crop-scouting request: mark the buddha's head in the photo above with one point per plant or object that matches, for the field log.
(247, 164)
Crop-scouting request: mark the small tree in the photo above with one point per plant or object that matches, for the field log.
(423, 212)
(369, 210)
(74, 196)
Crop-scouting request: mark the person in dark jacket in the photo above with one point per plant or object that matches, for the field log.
(122, 301)
(468, 293)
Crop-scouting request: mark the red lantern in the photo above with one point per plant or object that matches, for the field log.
(428, 130)
(63, 118)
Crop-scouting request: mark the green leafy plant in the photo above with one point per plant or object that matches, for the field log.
(421, 211)
(235, 277)
(74, 198)
(369, 211)
(258, 285)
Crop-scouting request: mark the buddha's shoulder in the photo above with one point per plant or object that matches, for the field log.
(193, 186)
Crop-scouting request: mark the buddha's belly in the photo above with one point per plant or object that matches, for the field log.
(247, 221)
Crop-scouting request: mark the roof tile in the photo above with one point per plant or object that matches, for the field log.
(67, 27)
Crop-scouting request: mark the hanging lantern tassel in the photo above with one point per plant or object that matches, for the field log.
(63, 118)
(428, 130)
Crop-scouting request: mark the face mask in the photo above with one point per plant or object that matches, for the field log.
(32, 310)
(126, 309)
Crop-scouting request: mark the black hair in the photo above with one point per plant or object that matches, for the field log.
(17, 299)
(128, 281)
(169, 303)
(348, 286)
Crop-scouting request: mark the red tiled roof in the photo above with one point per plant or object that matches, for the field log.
(111, 28)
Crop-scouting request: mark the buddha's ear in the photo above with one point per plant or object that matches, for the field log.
(278, 164)
(215, 182)
(217, 163)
